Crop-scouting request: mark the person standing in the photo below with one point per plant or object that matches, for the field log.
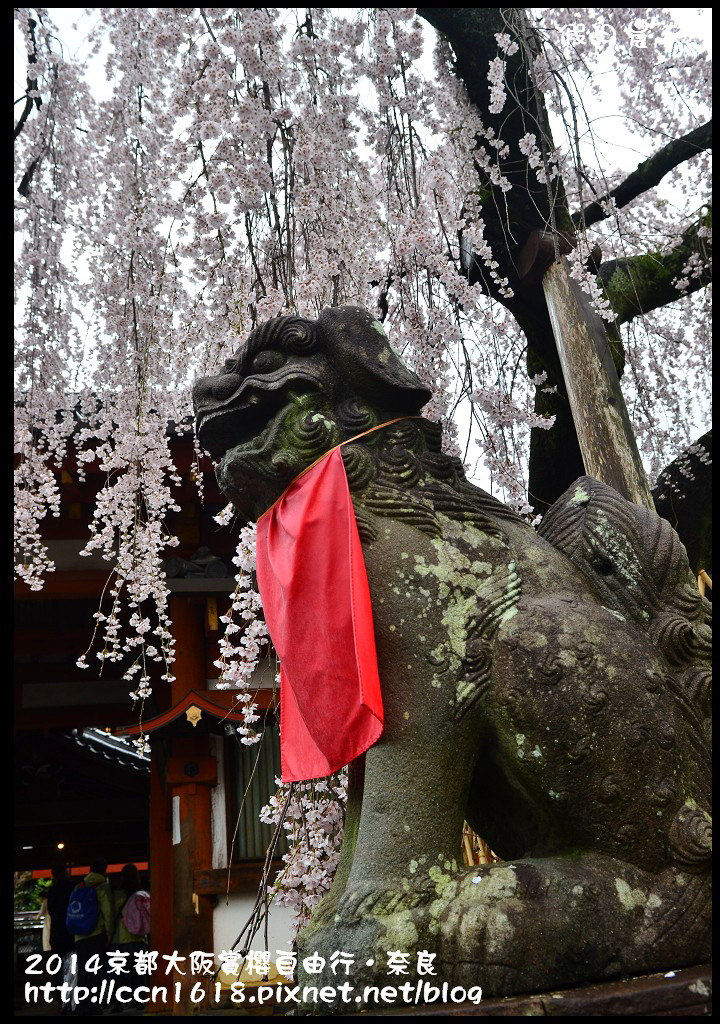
(91, 920)
(132, 921)
(57, 897)
(60, 940)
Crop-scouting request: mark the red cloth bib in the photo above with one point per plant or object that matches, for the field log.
(314, 589)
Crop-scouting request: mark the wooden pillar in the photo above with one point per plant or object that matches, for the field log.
(161, 865)
(191, 774)
(161, 862)
(606, 438)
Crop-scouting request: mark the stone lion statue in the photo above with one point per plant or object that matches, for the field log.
(552, 688)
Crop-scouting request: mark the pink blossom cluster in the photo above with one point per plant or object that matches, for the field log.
(695, 266)
(314, 822)
(545, 169)
(686, 466)
(496, 78)
(246, 636)
(510, 418)
(51, 165)
(581, 271)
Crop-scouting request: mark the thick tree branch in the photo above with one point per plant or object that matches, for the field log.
(649, 173)
(640, 284)
(509, 219)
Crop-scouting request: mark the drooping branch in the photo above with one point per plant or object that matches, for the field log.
(648, 174)
(639, 284)
(31, 85)
(24, 186)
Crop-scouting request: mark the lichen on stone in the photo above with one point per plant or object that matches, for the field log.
(629, 898)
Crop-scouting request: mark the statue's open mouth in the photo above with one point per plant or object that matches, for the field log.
(249, 410)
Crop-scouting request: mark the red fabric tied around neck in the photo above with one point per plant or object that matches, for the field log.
(314, 589)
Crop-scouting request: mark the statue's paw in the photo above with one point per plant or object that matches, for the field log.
(368, 899)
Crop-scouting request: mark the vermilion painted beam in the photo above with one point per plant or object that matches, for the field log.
(217, 703)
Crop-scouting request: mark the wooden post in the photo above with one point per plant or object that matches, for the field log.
(161, 917)
(161, 871)
(606, 438)
(191, 773)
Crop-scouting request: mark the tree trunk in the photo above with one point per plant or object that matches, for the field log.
(683, 496)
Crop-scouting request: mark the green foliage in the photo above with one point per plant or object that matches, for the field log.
(30, 895)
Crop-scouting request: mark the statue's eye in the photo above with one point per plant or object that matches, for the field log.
(267, 361)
